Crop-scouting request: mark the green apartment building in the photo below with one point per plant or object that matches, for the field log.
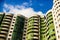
(47, 29)
(43, 28)
(50, 34)
(33, 28)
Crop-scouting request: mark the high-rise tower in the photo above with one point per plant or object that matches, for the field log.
(33, 28)
(43, 28)
(50, 34)
(16, 28)
(5, 25)
(56, 17)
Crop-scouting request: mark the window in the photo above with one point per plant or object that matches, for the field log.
(56, 26)
(11, 28)
(56, 7)
(24, 38)
(13, 22)
(58, 2)
(9, 34)
(12, 25)
(54, 39)
(55, 22)
(13, 19)
(55, 18)
(59, 5)
(53, 30)
(59, 24)
(58, 14)
(58, 36)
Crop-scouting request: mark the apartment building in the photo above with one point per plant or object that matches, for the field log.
(19, 27)
(56, 17)
(51, 35)
(33, 28)
(5, 25)
(36, 27)
(11, 26)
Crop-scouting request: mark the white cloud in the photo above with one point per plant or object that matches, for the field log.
(20, 9)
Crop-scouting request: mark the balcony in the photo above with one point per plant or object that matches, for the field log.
(36, 18)
(2, 36)
(35, 30)
(9, 15)
(36, 21)
(7, 19)
(32, 27)
(6, 22)
(36, 34)
(2, 39)
(49, 14)
(3, 32)
(36, 24)
(4, 29)
(35, 37)
(7, 26)
(36, 27)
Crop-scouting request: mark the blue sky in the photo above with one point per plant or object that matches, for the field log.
(37, 5)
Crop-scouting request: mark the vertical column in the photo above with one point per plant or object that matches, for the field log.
(9, 37)
(25, 29)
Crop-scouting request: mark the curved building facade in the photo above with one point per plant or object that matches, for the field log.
(9, 37)
(51, 35)
(5, 25)
(56, 17)
(33, 28)
(16, 27)
(43, 28)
